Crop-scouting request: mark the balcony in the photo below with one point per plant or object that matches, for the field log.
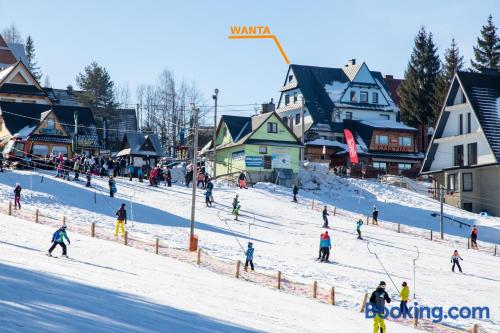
(50, 131)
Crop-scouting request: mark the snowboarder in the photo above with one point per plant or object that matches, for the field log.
(473, 237)
(377, 301)
(454, 259)
(58, 239)
(121, 220)
(358, 228)
(89, 177)
(375, 215)
(325, 245)
(242, 180)
(249, 258)
(112, 187)
(325, 217)
(295, 192)
(405, 295)
(236, 207)
(17, 196)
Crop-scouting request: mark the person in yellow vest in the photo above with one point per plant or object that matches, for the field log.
(405, 295)
(121, 220)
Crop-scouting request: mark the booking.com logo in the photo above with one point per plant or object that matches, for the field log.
(436, 313)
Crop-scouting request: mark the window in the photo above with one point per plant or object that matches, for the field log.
(348, 115)
(380, 165)
(297, 119)
(290, 78)
(467, 182)
(353, 97)
(51, 124)
(40, 150)
(272, 128)
(375, 98)
(385, 116)
(382, 139)
(60, 149)
(458, 155)
(363, 97)
(467, 206)
(268, 162)
(472, 153)
(290, 122)
(469, 123)
(262, 149)
(287, 99)
(405, 141)
(404, 166)
(295, 97)
(452, 182)
(461, 124)
(28, 101)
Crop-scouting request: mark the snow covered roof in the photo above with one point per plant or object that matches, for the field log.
(25, 131)
(388, 124)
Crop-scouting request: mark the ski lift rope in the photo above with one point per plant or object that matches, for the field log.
(381, 264)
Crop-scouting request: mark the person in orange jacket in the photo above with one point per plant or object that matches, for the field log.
(473, 237)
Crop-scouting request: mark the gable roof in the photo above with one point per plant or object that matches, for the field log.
(19, 115)
(7, 57)
(20, 64)
(133, 142)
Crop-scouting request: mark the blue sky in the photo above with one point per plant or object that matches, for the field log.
(136, 40)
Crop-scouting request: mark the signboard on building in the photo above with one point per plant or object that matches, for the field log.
(400, 149)
(281, 161)
(254, 161)
(238, 155)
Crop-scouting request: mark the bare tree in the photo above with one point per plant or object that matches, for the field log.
(122, 95)
(12, 34)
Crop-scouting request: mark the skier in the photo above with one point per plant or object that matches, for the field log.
(130, 172)
(236, 207)
(405, 294)
(17, 196)
(375, 215)
(200, 179)
(473, 237)
(325, 217)
(454, 259)
(295, 192)
(242, 180)
(76, 168)
(210, 187)
(325, 245)
(140, 174)
(89, 177)
(249, 254)
(112, 187)
(121, 220)
(358, 228)
(189, 177)
(58, 239)
(208, 193)
(168, 177)
(377, 300)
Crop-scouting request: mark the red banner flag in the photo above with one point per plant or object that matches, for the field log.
(351, 146)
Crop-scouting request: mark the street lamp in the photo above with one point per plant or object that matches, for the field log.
(215, 96)
(193, 240)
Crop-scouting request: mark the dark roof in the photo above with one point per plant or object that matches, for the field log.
(134, 144)
(16, 116)
(237, 126)
(21, 89)
(483, 92)
(63, 96)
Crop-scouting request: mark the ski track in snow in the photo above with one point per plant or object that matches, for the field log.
(286, 234)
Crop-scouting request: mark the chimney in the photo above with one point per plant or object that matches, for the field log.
(69, 89)
(350, 62)
(389, 77)
(268, 107)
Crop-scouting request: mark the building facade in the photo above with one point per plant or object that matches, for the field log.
(464, 153)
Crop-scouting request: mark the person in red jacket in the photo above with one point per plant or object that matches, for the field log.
(473, 237)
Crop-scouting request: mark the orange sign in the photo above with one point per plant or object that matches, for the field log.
(256, 32)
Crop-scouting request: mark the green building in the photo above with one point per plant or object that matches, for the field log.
(262, 146)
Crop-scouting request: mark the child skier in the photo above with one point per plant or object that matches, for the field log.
(89, 177)
(358, 228)
(17, 196)
(325, 217)
(249, 254)
(325, 245)
(405, 295)
(454, 259)
(236, 204)
(377, 302)
(473, 237)
(58, 239)
(375, 215)
(121, 220)
(112, 186)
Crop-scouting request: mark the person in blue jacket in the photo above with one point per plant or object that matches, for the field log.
(249, 254)
(358, 228)
(58, 239)
(325, 246)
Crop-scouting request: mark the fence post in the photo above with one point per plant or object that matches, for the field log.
(92, 229)
(125, 241)
(495, 254)
(198, 259)
(64, 220)
(37, 215)
(399, 227)
(334, 211)
(332, 295)
(363, 304)
(10, 208)
(237, 274)
(431, 234)
(367, 219)
(475, 328)
(279, 280)
(315, 289)
(415, 318)
(312, 203)
(468, 243)
(157, 246)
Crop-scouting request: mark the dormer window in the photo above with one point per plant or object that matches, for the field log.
(353, 97)
(375, 98)
(363, 97)
(290, 78)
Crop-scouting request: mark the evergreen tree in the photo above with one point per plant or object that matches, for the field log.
(97, 87)
(30, 54)
(419, 90)
(487, 51)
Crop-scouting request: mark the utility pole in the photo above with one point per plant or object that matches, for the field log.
(441, 200)
(215, 97)
(193, 243)
(302, 130)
